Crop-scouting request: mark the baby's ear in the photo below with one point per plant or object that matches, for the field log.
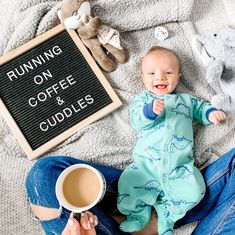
(142, 77)
(180, 75)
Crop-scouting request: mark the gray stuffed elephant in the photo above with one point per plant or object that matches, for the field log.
(216, 50)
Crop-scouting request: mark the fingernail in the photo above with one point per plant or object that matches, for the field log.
(88, 225)
(70, 222)
(95, 222)
(91, 220)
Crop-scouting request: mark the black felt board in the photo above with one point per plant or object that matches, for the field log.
(49, 96)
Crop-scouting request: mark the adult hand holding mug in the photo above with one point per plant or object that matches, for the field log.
(85, 227)
(79, 188)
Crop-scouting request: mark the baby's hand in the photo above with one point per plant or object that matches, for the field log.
(217, 116)
(158, 106)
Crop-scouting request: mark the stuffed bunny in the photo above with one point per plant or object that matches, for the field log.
(100, 39)
(216, 50)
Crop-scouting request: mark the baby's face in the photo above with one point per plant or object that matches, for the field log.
(160, 72)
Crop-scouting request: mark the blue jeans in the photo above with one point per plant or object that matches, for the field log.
(216, 211)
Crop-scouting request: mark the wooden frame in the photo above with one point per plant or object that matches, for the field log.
(32, 154)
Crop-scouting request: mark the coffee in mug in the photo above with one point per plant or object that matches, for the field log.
(80, 187)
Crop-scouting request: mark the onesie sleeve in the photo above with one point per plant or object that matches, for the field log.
(148, 111)
(141, 114)
(201, 110)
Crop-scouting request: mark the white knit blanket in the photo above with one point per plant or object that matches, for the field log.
(110, 140)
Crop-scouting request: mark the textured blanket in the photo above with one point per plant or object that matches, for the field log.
(111, 140)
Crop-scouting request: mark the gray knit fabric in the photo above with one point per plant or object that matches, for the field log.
(110, 140)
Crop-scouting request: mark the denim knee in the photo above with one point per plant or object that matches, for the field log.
(41, 180)
(39, 170)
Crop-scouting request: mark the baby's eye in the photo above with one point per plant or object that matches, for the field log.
(151, 73)
(169, 72)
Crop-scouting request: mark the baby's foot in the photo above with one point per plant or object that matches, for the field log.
(132, 224)
(167, 232)
(165, 227)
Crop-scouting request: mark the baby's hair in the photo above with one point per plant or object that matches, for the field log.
(159, 48)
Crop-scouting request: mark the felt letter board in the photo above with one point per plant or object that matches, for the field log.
(50, 88)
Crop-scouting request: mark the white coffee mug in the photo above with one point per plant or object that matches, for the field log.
(80, 187)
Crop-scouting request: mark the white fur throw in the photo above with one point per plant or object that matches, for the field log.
(110, 141)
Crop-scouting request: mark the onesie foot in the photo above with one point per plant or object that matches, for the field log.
(165, 227)
(132, 224)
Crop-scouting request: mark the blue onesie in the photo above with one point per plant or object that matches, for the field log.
(163, 174)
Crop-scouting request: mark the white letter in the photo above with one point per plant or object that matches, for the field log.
(70, 80)
(55, 87)
(67, 114)
(11, 74)
(89, 99)
(33, 105)
(56, 50)
(63, 85)
(39, 81)
(46, 75)
(41, 127)
(82, 103)
(43, 94)
(49, 91)
(58, 116)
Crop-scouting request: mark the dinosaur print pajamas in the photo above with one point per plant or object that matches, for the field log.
(163, 174)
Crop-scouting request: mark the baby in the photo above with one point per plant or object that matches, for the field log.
(163, 174)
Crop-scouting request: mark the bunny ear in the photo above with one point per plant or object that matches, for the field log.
(200, 50)
(228, 36)
(85, 9)
(59, 15)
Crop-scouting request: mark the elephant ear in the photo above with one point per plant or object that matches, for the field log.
(200, 51)
(228, 36)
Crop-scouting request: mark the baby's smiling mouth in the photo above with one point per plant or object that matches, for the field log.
(161, 86)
